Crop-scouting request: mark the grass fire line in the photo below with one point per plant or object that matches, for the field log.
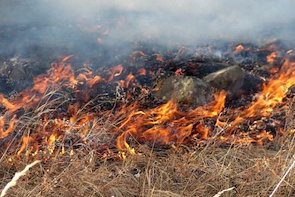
(143, 124)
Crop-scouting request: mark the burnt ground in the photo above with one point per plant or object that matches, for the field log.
(183, 170)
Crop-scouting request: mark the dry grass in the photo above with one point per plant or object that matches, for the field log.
(201, 170)
(252, 171)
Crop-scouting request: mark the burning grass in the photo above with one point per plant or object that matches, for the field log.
(123, 143)
(202, 171)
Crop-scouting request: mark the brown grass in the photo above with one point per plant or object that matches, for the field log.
(194, 170)
(201, 171)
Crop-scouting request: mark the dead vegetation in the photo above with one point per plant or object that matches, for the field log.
(201, 170)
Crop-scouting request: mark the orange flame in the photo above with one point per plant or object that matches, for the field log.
(129, 78)
(203, 132)
(6, 132)
(141, 71)
(115, 71)
(159, 57)
(271, 57)
(273, 93)
(238, 48)
(163, 124)
(166, 123)
(7, 104)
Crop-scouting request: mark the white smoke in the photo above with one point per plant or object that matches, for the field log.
(167, 21)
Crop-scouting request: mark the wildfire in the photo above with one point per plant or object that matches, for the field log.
(167, 123)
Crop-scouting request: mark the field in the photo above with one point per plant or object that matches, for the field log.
(105, 135)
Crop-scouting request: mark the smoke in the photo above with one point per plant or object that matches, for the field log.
(197, 21)
(168, 22)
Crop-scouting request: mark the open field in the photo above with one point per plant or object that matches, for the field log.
(147, 98)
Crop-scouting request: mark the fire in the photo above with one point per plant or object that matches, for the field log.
(7, 104)
(117, 70)
(29, 144)
(129, 78)
(51, 141)
(203, 131)
(273, 92)
(271, 57)
(5, 132)
(238, 48)
(168, 123)
(141, 71)
(159, 57)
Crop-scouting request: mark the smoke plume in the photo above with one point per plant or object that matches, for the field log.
(168, 22)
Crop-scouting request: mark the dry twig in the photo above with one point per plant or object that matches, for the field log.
(17, 176)
(283, 178)
(221, 192)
